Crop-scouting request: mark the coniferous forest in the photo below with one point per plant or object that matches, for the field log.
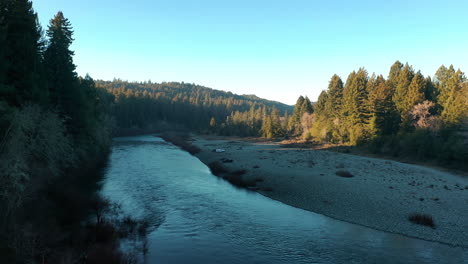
(56, 127)
(146, 105)
(55, 132)
(403, 115)
(406, 114)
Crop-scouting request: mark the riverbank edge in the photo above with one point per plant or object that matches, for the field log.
(206, 155)
(363, 151)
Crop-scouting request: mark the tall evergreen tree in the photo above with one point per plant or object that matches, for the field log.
(62, 79)
(21, 53)
(441, 80)
(334, 98)
(403, 82)
(3, 66)
(298, 109)
(430, 93)
(395, 70)
(414, 95)
(384, 117)
(295, 121)
(276, 127)
(267, 127)
(320, 106)
(306, 107)
(356, 106)
(453, 98)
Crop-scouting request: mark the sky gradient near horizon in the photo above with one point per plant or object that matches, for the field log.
(275, 49)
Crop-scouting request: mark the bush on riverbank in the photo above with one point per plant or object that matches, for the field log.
(422, 219)
(344, 174)
(234, 177)
(446, 148)
(181, 140)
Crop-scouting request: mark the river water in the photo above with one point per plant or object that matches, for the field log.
(199, 218)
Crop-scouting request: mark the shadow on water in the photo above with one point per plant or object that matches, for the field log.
(201, 218)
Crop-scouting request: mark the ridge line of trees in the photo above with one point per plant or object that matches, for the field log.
(405, 114)
(160, 105)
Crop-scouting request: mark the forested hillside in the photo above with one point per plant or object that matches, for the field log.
(403, 114)
(142, 105)
(54, 132)
(56, 128)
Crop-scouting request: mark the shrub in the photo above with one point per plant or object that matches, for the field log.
(233, 177)
(182, 142)
(422, 219)
(344, 174)
(239, 181)
(217, 169)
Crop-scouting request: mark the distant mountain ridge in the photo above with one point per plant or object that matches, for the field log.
(190, 90)
(142, 104)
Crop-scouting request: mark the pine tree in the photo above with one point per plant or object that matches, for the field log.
(334, 98)
(384, 117)
(320, 106)
(430, 93)
(3, 48)
(306, 107)
(415, 95)
(296, 116)
(395, 70)
(295, 121)
(62, 79)
(21, 53)
(285, 124)
(454, 98)
(403, 82)
(320, 128)
(356, 106)
(267, 128)
(276, 128)
(441, 80)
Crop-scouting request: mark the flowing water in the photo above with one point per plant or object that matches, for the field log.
(199, 218)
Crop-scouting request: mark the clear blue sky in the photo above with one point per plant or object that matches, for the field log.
(274, 49)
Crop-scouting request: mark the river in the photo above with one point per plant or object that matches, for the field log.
(199, 218)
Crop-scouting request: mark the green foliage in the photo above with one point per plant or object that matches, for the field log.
(355, 109)
(446, 147)
(403, 81)
(334, 97)
(20, 53)
(442, 77)
(430, 93)
(321, 103)
(384, 117)
(413, 96)
(43, 135)
(61, 77)
(396, 116)
(302, 106)
(144, 105)
(327, 124)
(271, 125)
(34, 149)
(248, 123)
(454, 99)
(394, 74)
